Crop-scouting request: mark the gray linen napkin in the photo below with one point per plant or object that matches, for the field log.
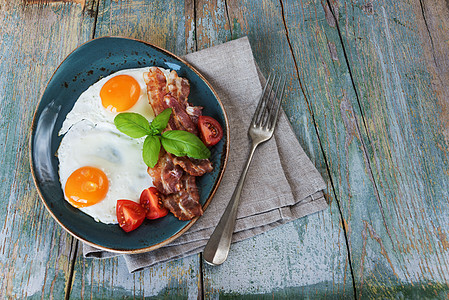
(282, 183)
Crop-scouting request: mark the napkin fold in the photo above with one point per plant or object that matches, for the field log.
(282, 183)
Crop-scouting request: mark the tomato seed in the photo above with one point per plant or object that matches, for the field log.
(212, 129)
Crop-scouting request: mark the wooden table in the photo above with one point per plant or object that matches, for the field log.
(368, 99)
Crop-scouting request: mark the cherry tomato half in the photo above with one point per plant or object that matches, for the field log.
(210, 129)
(129, 214)
(151, 201)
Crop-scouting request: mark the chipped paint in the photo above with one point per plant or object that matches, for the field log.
(280, 253)
(175, 279)
(368, 8)
(328, 13)
(82, 2)
(212, 23)
(443, 238)
(333, 50)
(310, 147)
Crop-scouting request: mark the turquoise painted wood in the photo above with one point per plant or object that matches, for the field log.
(110, 279)
(367, 99)
(35, 253)
(403, 229)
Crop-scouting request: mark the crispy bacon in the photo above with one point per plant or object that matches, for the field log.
(175, 176)
(166, 175)
(156, 88)
(185, 204)
(180, 117)
(195, 167)
(178, 87)
(194, 112)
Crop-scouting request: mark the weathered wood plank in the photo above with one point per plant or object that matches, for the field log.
(432, 23)
(212, 23)
(398, 239)
(35, 253)
(305, 258)
(110, 279)
(168, 24)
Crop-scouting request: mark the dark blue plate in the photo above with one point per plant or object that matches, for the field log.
(82, 68)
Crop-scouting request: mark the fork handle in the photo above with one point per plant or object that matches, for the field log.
(217, 248)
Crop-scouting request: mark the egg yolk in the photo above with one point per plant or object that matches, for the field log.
(120, 93)
(86, 186)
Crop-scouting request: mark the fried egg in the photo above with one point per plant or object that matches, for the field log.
(123, 91)
(90, 151)
(98, 164)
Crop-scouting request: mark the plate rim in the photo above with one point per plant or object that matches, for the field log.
(223, 165)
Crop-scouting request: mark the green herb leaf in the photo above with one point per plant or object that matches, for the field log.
(132, 124)
(182, 143)
(151, 149)
(160, 122)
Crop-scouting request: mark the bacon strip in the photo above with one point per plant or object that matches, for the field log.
(178, 87)
(175, 176)
(185, 204)
(194, 112)
(156, 88)
(181, 119)
(195, 167)
(166, 175)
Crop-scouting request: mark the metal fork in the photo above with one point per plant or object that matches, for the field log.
(261, 130)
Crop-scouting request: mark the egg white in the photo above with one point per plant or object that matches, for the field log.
(91, 139)
(117, 155)
(89, 107)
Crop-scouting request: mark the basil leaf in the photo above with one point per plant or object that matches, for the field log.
(160, 122)
(182, 143)
(151, 149)
(132, 124)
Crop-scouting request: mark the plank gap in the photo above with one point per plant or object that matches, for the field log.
(227, 17)
(362, 141)
(195, 7)
(94, 13)
(201, 284)
(428, 31)
(309, 107)
(365, 151)
(73, 256)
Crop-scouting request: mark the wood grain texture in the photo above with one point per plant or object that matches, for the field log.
(398, 240)
(304, 258)
(212, 23)
(167, 24)
(109, 279)
(35, 253)
(28, 2)
(433, 28)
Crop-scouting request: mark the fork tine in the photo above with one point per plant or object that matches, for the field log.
(278, 104)
(272, 105)
(257, 114)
